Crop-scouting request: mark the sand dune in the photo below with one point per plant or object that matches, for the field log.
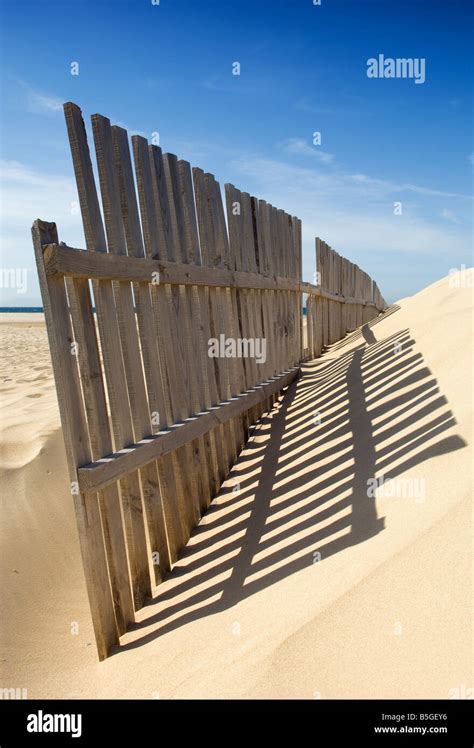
(296, 583)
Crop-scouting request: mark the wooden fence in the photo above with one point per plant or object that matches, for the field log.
(197, 328)
(345, 298)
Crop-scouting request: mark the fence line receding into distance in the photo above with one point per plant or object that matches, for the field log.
(152, 423)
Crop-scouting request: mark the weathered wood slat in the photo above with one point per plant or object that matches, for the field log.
(235, 432)
(75, 432)
(158, 389)
(158, 238)
(181, 179)
(215, 252)
(251, 235)
(80, 306)
(265, 238)
(237, 262)
(82, 317)
(110, 338)
(183, 387)
(154, 397)
(199, 314)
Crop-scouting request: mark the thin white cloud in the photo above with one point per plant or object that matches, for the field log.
(46, 103)
(336, 184)
(383, 185)
(36, 101)
(27, 194)
(14, 173)
(354, 213)
(299, 147)
(41, 103)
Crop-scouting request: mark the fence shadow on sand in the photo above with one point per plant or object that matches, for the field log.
(300, 486)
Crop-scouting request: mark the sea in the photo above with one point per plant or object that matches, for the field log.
(39, 309)
(29, 309)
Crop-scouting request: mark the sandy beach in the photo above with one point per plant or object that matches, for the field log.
(295, 584)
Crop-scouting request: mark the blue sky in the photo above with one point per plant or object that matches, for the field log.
(168, 68)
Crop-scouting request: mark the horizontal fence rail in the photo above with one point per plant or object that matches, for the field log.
(69, 261)
(171, 333)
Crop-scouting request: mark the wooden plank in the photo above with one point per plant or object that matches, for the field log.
(310, 302)
(237, 373)
(207, 300)
(261, 297)
(236, 432)
(258, 209)
(239, 220)
(197, 348)
(85, 330)
(94, 476)
(155, 222)
(158, 238)
(293, 297)
(236, 260)
(279, 307)
(244, 255)
(124, 301)
(239, 426)
(251, 247)
(186, 387)
(300, 275)
(233, 208)
(324, 305)
(283, 251)
(78, 449)
(200, 313)
(110, 337)
(215, 252)
(101, 443)
(270, 303)
(80, 305)
(156, 493)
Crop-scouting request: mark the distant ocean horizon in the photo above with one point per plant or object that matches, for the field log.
(40, 310)
(26, 309)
